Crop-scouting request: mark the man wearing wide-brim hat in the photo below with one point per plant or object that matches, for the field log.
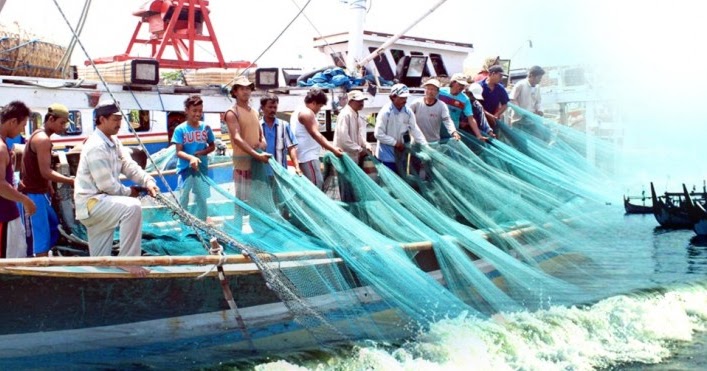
(102, 201)
(246, 136)
(36, 177)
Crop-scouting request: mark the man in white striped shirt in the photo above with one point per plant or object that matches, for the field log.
(102, 201)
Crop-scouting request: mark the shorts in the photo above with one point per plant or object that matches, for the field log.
(313, 171)
(13, 243)
(43, 227)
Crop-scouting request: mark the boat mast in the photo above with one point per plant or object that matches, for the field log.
(397, 36)
(358, 18)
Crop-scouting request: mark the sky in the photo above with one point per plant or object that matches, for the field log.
(650, 52)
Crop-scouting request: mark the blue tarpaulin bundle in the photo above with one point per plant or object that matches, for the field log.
(335, 77)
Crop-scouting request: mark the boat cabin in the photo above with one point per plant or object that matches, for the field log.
(409, 60)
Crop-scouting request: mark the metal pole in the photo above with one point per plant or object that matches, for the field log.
(397, 36)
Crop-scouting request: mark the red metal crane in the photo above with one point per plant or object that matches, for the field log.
(178, 25)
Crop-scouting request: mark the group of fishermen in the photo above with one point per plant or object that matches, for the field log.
(103, 203)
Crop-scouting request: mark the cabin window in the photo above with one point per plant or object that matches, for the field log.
(139, 120)
(426, 71)
(35, 121)
(397, 55)
(339, 60)
(173, 120)
(438, 65)
(75, 127)
(383, 65)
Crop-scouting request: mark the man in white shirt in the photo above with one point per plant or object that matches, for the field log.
(350, 133)
(431, 113)
(526, 93)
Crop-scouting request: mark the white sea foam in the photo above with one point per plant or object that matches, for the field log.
(640, 328)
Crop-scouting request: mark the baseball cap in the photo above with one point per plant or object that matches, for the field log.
(433, 82)
(476, 90)
(59, 110)
(107, 107)
(356, 95)
(460, 78)
(497, 69)
(400, 90)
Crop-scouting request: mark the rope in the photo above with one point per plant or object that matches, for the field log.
(271, 44)
(33, 41)
(314, 27)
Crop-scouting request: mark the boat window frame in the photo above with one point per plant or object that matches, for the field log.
(339, 59)
(76, 128)
(383, 65)
(397, 55)
(144, 121)
(35, 121)
(438, 64)
(426, 71)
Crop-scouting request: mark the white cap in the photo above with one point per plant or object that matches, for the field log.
(400, 90)
(476, 90)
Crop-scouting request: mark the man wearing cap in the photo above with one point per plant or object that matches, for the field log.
(193, 140)
(395, 124)
(475, 94)
(458, 104)
(246, 136)
(495, 96)
(350, 133)
(526, 93)
(350, 136)
(36, 177)
(13, 119)
(309, 140)
(102, 201)
(431, 113)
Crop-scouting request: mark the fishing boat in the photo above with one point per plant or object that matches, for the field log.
(672, 209)
(67, 310)
(62, 310)
(637, 209)
(696, 210)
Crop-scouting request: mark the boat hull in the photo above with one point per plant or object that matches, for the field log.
(68, 315)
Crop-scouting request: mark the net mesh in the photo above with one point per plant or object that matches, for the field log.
(465, 228)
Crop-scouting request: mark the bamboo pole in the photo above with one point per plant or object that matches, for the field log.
(128, 261)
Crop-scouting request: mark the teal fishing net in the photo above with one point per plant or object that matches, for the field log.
(465, 228)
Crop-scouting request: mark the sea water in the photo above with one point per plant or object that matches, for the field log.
(652, 315)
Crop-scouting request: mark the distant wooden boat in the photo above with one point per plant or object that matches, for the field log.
(670, 210)
(636, 209)
(697, 213)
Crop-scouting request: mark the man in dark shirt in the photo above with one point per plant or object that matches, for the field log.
(37, 175)
(495, 96)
